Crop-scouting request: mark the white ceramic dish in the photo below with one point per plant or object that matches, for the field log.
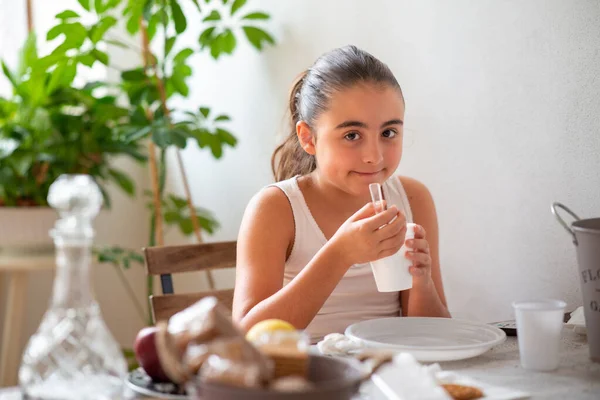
(428, 339)
(579, 329)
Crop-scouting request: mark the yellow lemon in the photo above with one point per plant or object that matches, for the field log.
(268, 326)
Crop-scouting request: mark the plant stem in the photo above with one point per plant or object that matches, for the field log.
(130, 292)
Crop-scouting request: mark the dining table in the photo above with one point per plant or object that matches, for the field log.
(577, 377)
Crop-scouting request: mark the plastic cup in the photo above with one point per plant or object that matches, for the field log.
(391, 273)
(539, 328)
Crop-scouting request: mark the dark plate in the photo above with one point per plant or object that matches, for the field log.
(140, 382)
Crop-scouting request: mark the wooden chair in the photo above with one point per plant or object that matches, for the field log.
(167, 260)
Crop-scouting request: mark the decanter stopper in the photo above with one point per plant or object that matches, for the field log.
(77, 199)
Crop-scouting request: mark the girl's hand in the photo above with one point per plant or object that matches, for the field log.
(418, 252)
(359, 239)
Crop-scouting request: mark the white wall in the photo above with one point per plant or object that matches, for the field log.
(503, 117)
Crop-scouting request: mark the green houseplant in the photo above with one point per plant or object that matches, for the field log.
(94, 121)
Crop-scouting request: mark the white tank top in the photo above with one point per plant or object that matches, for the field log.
(355, 298)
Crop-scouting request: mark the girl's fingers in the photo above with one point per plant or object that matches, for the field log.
(418, 245)
(392, 229)
(416, 271)
(420, 232)
(418, 258)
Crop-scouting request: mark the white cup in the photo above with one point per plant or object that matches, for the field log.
(391, 273)
(539, 328)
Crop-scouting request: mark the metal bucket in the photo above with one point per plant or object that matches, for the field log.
(586, 237)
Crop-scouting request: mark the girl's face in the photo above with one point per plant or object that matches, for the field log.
(358, 140)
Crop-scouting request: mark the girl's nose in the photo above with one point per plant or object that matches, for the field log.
(372, 153)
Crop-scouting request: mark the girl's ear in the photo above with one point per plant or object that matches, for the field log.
(305, 137)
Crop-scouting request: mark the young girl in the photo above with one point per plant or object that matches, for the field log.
(305, 243)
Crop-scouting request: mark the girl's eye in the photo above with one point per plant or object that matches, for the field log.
(352, 136)
(389, 133)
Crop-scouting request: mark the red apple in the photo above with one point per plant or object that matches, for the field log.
(147, 355)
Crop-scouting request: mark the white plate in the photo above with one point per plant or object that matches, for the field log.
(579, 329)
(428, 339)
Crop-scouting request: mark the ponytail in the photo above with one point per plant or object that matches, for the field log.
(289, 158)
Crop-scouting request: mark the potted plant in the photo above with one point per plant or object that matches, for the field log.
(49, 127)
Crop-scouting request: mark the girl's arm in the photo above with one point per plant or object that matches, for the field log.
(426, 298)
(264, 242)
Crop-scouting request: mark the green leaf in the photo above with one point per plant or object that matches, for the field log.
(204, 111)
(23, 164)
(217, 47)
(178, 138)
(62, 76)
(133, 11)
(160, 138)
(228, 41)
(256, 15)
(180, 85)
(138, 134)
(172, 217)
(153, 23)
(124, 181)
(105, 197)
(85, 4)
(74, 31)
(117, 43)
(133, 24)
(56, 77)
(257, 36)
(179, 202)
(100, 56)
(147, 6)
(169, 44)
(112, 4)
(215, 147)
(186, 226)
(99, 6)
(134, 75)
(237, 4)
(101, 27)
(67, 14)
(183, 70)
(55, 32)
(28, 54)
(90, 86)
(224, 1)
(69, 74)
(197, 5)
(223, 117)
(213, 16)
(86, 59)
(206, 38)
(178, 17)
(183, 55)
(51, 59)
(137, 258)
(227, 137)
(75, 34)
(9, 75)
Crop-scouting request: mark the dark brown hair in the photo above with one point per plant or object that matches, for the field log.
(310, 95)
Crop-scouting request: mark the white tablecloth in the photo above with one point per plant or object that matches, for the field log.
(577, 378)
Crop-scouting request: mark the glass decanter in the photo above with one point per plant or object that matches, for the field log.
(73, 355)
